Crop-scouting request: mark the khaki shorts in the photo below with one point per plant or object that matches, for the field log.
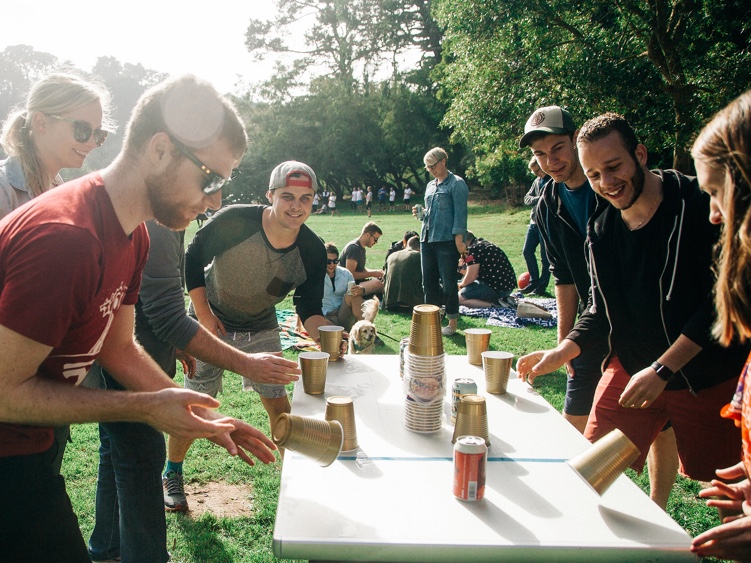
(208, 378)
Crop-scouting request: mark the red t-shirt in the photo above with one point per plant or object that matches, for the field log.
(66, 266)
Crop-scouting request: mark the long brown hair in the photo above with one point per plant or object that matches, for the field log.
(56, 93)
(725, 144)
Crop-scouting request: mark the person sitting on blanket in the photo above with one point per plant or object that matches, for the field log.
(489, 279)
(340, 306)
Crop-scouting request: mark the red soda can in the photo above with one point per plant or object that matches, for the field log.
(470, 457)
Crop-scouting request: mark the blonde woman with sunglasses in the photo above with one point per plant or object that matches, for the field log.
(64, 118)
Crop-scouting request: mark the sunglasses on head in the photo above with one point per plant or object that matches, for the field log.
(82, 131)
(330, 261)
(214, 182)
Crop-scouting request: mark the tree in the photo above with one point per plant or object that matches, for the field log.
(662, 63)
(20, 67)
(125, 82)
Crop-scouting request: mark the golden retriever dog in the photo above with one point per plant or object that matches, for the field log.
(362, 336)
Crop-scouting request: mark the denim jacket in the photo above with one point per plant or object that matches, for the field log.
(445, 210)
(13, 192)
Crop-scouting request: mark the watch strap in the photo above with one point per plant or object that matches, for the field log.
(662, 371)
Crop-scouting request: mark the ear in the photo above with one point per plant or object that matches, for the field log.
(39, 122)
(270, 196)
(159, 149)
(641, 154)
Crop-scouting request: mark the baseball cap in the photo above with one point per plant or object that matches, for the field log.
(550, 119)
(281, 176)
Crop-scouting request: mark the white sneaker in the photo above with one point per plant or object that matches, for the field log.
(448, 331)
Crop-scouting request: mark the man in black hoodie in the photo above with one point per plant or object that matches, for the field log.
(561, 214)
(650, 260)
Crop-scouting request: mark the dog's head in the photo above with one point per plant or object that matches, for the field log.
(363, 333)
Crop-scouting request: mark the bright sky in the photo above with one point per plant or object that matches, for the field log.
(204, 37)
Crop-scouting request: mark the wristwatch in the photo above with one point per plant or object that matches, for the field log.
(663, 372)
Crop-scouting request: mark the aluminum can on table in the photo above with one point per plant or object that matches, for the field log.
(470, 458)
(462, 386)
(403, 345)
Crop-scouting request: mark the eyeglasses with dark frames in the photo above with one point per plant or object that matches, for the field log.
(330, 261)
(214, 182)
(82, 131)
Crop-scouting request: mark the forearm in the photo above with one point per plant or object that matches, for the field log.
(682, 351)
(567, 301)
(43, 402)
(200, 302)
(211, 350)
(470, 276)
(459, 242)
(134, 369)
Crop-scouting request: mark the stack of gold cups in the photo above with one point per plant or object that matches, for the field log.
(424, 371)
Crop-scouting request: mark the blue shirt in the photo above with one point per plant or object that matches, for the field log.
(333, 294)
(580, 204)
(13, 189)
(445, 209)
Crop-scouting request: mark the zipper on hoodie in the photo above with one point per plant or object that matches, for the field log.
(677, 223)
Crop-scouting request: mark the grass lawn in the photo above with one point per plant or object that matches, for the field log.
(248, 538)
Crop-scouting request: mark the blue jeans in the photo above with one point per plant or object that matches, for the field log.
(537, 279)
(37, 522)
(439, 276)
(483, 292)
(130, 520)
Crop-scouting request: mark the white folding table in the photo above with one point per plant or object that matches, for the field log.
(391, 499)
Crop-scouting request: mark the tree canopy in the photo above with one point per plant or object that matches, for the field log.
(667, 65)
(365, 87)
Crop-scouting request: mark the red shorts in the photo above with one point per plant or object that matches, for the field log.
(706, 441)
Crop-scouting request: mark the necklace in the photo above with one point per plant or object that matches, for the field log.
(650, 213)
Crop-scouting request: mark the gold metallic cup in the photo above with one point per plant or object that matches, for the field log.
(471, 418)
(331, 340)
(313, 366)
(425, 338)
(496, 366)
(320, 440)
(343, 409)
(478, 341)
(602, 463)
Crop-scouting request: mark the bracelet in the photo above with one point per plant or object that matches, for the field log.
(662, 371)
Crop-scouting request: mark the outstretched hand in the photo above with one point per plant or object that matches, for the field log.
(246, 439)
(181, 413)
(732, 539)
(241, 438)
(732, 494)
(271, 369)
(538, 363)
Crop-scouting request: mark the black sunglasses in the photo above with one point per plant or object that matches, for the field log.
(82, 131)
(214, 182)
(330, 261)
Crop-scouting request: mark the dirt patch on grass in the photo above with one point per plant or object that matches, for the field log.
(221, 499)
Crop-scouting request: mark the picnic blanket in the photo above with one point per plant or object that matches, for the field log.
(291, 337)
(506, 316)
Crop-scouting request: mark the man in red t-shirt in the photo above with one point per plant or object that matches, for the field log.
(70, 271)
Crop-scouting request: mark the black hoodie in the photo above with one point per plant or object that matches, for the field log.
(683, 247)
